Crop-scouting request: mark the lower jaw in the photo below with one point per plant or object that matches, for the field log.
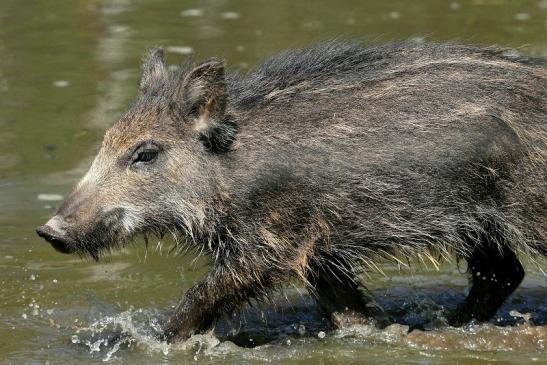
(61, 248)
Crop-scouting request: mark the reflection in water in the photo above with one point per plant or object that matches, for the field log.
(69, 69)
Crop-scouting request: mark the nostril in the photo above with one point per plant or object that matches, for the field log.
(45, 232)
(57, 240)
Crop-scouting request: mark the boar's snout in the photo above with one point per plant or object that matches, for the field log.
(54, 231)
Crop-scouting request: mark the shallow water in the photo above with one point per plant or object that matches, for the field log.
(67, 71)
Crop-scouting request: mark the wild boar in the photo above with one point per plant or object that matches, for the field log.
(322, 161)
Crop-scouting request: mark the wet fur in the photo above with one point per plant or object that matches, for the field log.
(324, 159)
(346, 154)
(401, 147)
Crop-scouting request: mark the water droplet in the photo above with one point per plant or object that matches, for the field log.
(75, 339)
(192, 12)
(118, 28)
(61, 83)
(50, 197)
(180, 50)
(229, 15)
(455, 6)
(321, 334)
(32, 277)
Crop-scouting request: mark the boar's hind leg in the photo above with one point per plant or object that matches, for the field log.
(334, 286)
(494, 274)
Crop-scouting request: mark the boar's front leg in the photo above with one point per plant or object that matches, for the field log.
(206, 302)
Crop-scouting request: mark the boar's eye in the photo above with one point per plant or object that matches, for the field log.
(145, 154)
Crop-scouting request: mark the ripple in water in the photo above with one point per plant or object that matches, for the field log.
(259, 332)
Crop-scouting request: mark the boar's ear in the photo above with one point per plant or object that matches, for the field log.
(201, 99)
(154, 68)
(203, 91)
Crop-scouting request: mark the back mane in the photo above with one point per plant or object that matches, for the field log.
(335, 62)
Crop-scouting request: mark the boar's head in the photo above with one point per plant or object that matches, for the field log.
(156, 168)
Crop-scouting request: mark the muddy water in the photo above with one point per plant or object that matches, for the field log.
(68, 69)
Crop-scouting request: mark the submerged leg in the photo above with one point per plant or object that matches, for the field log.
(216, 295)
(495, 274)
(334, 286)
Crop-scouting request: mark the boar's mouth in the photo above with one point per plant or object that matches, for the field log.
(61, 244)
(84, 239)
(95, 238)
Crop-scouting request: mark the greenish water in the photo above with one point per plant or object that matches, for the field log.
(67, 71)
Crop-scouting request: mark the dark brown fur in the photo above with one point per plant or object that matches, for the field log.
(321, 161)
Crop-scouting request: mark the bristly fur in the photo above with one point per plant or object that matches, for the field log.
(323, 159)
(452, 189)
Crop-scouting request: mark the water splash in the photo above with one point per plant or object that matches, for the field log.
(291, 330)
(135, 328)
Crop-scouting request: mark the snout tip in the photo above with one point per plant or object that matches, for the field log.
(56, 239)
(45, 232)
